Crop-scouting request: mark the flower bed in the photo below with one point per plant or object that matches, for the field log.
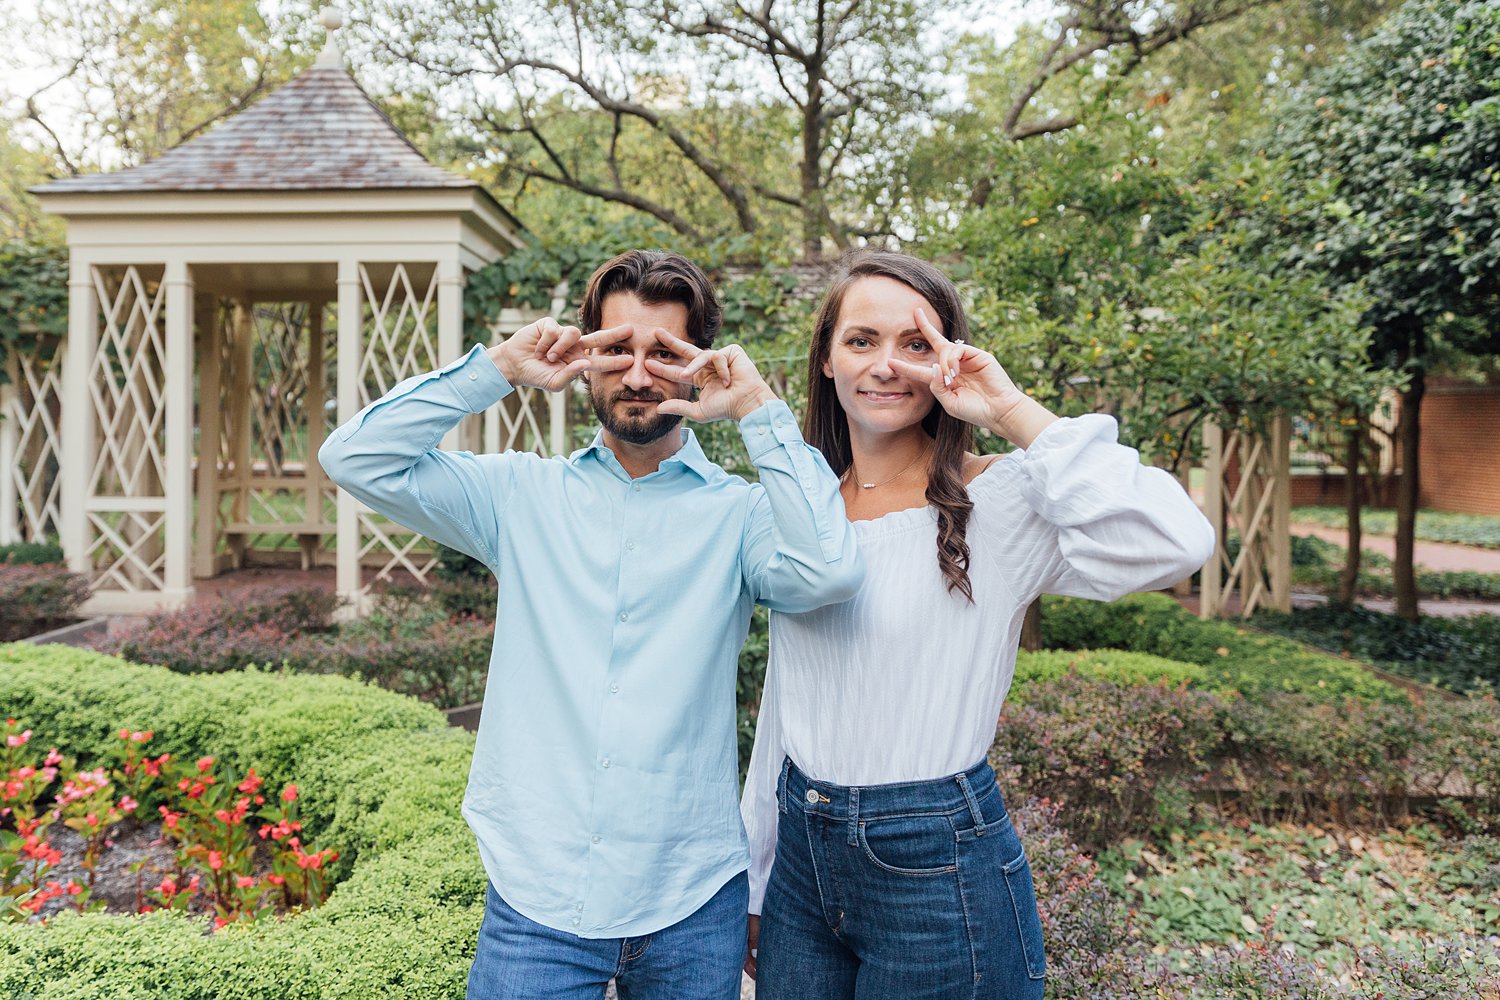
(381, 775)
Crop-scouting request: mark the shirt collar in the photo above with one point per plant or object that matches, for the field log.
(690, 454)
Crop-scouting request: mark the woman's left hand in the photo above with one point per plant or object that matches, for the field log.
(972, 386)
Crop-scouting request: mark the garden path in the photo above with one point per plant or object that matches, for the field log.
(1441, 556)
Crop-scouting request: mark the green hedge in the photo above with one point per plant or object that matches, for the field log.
(1233, 657)
(1116, 665)
(382, 777)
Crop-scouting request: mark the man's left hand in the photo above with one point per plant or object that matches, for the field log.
(729, 386)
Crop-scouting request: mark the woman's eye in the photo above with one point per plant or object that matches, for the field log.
(858, 342)
(919, 347)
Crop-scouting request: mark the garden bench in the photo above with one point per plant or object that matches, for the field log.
(308, 534)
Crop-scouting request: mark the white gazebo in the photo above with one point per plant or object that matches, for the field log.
(221, 297)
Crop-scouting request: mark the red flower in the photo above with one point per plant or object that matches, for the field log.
(215, 860)
(244, 881)
(289, 794)
(204, 763)
(251, 784)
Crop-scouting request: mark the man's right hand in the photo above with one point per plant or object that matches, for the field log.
(547, 355)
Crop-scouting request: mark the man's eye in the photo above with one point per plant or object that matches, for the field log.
(666, 355)
(615, 349)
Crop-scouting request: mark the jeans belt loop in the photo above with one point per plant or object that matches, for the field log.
(786, 768)
(963, 784)
(853, 816)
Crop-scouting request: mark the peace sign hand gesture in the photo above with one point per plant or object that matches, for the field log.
(727, 381)
(972, 386)
(547, 355)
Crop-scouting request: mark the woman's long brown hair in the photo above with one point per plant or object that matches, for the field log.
(827, 425)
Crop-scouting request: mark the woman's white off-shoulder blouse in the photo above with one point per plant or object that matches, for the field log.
(905, 681)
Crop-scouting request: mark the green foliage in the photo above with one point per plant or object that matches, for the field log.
(379, 773)
(1480, 530)
(33, 300)
(31, 553)
(1321, 566)
(1397, 146)
(1234, 658)
(1458, 654)
(1115, 665)
(34, 599)
(1305, 888)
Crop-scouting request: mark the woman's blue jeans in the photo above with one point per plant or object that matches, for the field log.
(913, 891)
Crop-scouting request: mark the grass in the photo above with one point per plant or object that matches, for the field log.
(1480, 530)
(1318, 564)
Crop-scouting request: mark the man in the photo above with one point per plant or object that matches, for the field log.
(604, 787)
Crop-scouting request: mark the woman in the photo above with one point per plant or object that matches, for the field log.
(897, 874)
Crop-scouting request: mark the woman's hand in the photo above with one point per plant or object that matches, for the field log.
(752, 944)
(728, 383)
(971, 385)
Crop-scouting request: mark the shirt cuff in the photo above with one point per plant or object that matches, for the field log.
(479, 382)
(768, 427)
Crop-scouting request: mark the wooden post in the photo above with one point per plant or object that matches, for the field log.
(210, 429)
(316, 398)
(1211, 597)
(10, 465)
(351, 348)
(177, 575)
(450, 335)
(1281, 513)
(78, 427)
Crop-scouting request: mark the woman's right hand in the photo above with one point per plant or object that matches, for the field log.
(752, 944)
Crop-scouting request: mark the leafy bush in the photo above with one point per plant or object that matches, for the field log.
(1115, 665)
(410, 643)
(381, 775)
(1320, 564)
(31, 553)
(1120, 757)
(1234, 658)
(35, 598)
(1458, 654)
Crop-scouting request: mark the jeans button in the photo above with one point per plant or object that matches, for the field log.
(812, 796)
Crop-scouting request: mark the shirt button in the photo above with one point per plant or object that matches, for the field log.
(473, 376)
(614, 689)
(812, 796)
(630, 546)
(576, 921)
(597, 838)
(636, 488)
(605, 763)
(624, 616)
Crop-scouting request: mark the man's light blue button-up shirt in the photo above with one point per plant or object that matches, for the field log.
(604, 787)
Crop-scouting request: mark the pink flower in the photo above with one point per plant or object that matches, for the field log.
(128, 804)
(204, 763)
(251, 784)
(244, 881)
(18, 739)
(53, 758)
(215, 860)
(289, 794)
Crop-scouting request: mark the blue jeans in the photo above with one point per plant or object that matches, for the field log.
(697, 958)
(914, 891)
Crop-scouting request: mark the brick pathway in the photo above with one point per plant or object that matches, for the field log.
(1433, 555)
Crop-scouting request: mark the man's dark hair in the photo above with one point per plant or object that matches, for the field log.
(655, 276)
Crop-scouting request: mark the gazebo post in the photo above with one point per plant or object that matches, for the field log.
(211, 428)
(10, 443)
(351, 349)
(242, 349)
(450, 334)
(78, 431)
(178, 400)
(317, 396)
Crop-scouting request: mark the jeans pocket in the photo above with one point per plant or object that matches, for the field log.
(1017, 875)
(910, 845)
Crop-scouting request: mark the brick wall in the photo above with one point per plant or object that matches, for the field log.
(1460, 454)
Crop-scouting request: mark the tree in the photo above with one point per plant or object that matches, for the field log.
(1404, 136)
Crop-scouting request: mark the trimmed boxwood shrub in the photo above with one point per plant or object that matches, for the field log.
(1234, 658)
(382, 777)
(1115, 665)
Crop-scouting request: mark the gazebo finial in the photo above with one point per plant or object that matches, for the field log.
(332, 20)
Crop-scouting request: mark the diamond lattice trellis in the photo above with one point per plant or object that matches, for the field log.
(400, 340)
(1248, 493)
(32, 411)
(126, 502)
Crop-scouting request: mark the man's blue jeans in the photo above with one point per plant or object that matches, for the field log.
(697, 958)
(916, 891)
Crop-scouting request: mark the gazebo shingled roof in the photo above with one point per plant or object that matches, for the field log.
(299, 138)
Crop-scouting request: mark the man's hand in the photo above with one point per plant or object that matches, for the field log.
(752, 944)
(547, 355)
(727, 381)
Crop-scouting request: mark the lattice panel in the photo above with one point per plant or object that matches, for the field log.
(127, 385)
(528, 419)
(1247, 495)
(400, 332)
(34, 411)
(126, 551)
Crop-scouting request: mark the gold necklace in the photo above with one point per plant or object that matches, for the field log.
(875, 486)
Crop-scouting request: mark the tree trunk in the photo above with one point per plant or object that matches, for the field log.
(1349, 580)
(1031, 627)
(812, 167)
(1408, 489)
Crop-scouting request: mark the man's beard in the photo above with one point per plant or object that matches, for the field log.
(632, 429)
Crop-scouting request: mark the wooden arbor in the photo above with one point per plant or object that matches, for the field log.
(1247, 495)
(229, 302)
